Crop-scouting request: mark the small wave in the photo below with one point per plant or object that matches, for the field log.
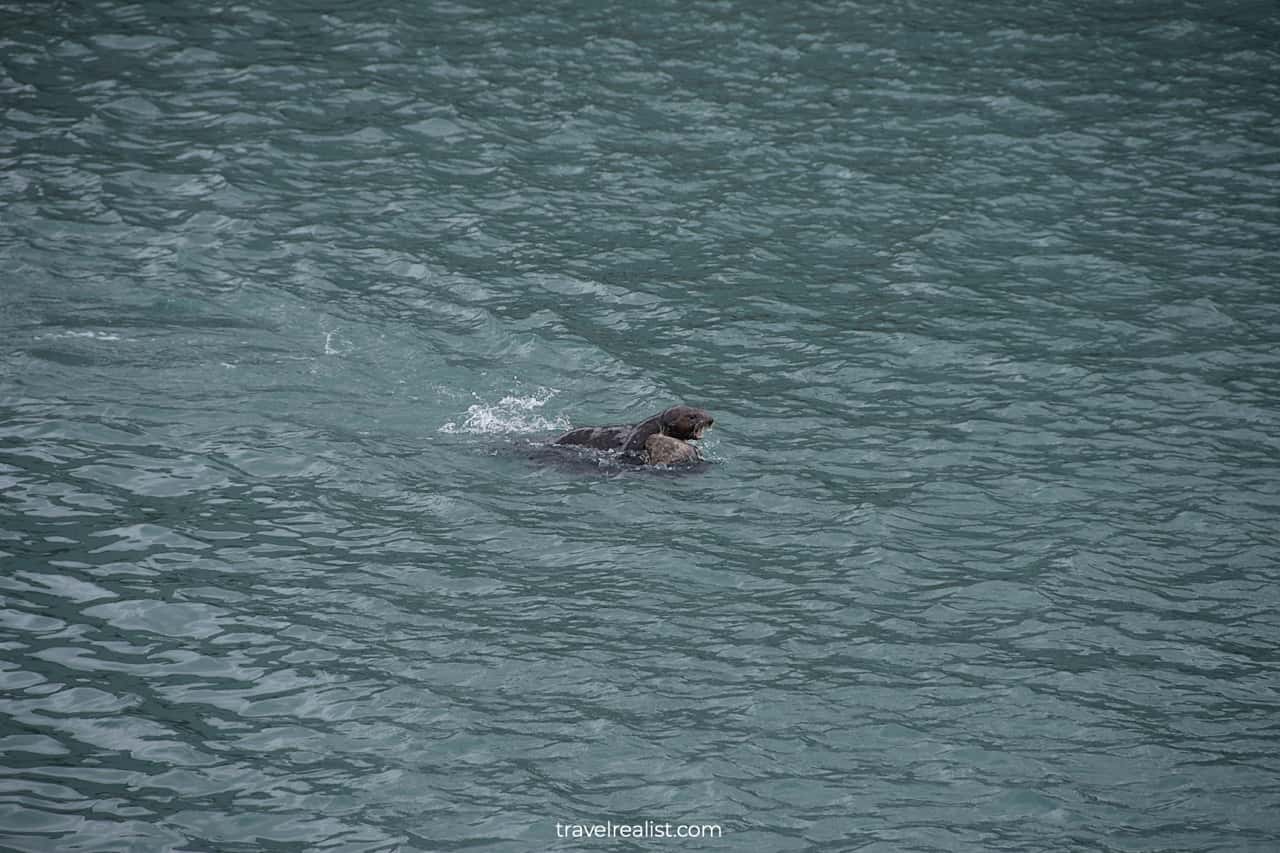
(510, 414)
(97, 336)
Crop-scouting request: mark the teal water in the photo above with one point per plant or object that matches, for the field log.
(985, 299)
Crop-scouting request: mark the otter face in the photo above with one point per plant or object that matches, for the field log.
(685, 422)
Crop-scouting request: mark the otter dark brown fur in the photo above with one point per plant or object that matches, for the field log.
(681, 423)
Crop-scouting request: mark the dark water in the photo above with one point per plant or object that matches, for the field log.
(985, 299)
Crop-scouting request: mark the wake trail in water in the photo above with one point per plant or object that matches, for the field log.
(511, 414)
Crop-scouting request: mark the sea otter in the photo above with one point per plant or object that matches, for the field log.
(679, 424)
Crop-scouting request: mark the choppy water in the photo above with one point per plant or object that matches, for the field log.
(984, 298)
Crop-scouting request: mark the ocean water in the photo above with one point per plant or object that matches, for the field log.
(985, 299)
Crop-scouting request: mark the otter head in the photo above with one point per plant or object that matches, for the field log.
(685, 422)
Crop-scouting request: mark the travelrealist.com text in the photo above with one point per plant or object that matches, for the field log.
(647, 829)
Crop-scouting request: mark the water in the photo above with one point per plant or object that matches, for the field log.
(984, 300)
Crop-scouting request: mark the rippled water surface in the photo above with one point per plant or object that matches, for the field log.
(985, 299)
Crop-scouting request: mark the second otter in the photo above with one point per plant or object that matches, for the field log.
(665, 450)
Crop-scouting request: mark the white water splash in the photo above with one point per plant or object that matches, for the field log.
(510, 414)
(329, 348)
